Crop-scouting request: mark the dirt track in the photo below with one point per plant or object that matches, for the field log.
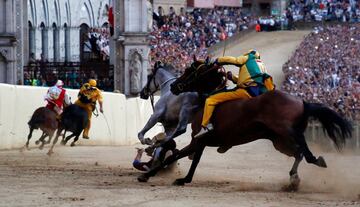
(249, 175)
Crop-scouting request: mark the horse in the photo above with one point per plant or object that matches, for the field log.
(274, 115)
(45, 119)
(73, 119)
(173, 112)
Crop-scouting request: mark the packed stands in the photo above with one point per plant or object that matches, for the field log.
(325, 68)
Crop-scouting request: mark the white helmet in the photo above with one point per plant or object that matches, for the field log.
(59, 83)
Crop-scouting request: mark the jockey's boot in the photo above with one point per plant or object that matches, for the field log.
(204, 131)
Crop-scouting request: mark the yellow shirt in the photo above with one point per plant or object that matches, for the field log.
(93, 94)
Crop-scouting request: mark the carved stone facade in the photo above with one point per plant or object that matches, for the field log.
(131, 31)
(12, 32)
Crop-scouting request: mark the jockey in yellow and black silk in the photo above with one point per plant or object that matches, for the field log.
(87, 98)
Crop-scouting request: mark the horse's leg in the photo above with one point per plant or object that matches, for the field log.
(186, 151)
(183, 121)
(188, 178)
(67, 138)
(55, 141)
(40, 139)
(28, 138)
(75, 139)
(63, 138)
(50, 137)
(294, 177)
(149, 124)
(309, 157)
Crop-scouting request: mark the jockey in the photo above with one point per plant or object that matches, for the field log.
(56, 96)
(252, 81)
(87, 98)
(157, 154)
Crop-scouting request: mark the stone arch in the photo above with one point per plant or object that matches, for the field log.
(56, 42)
(44, 40)
(85, 15)
(46, 12)
(3, 68)
(67, 42)
(83, 37)
(32, 42)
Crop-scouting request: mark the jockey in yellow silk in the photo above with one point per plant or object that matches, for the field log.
(87, 98)
(251, 81)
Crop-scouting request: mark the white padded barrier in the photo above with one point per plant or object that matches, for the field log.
(125, 117)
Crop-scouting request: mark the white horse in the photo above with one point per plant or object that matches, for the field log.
(173, 112)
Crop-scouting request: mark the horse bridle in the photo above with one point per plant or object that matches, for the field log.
(194, 73)
(157, 86)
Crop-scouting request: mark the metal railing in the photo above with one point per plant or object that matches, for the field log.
(74, 74)
(315, 133)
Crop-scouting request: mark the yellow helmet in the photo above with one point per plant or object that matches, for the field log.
(92, 82)
(254, 52)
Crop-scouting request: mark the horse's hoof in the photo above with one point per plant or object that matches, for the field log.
(179, 182)
(37, 142)
(50, 153)
(143, 178)
(63, 143)
(72, 144)
(295, 180)
(320, 161)
(41, 147)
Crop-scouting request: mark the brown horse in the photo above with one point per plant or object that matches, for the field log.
(45, 119)
(274, 115)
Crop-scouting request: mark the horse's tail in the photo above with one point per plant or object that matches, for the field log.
(337, 128)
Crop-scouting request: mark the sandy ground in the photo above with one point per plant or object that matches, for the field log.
(275, 49)
(248, 175)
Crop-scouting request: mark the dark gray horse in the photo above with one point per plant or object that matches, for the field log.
(173, 112)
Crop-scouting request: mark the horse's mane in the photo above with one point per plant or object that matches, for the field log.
(169, 68)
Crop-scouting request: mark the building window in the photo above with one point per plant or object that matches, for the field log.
(56, 42)
(67, 42)
(44, 40)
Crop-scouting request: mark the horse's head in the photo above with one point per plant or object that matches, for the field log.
(201, 77)
(151, 86)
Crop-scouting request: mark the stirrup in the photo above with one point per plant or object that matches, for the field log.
(204, 131)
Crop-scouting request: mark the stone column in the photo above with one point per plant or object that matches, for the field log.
(131, 46)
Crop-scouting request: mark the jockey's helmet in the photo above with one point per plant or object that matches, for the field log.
(59, 83)
(254, 52)
(92, 82)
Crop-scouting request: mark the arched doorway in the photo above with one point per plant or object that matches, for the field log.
(85, 47)
(44, 41)
(56, 42)
(67, 42)
(3, 69)
(31, 39)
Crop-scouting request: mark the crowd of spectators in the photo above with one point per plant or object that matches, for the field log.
(325, 68)
(176, 38)
(325, 10)
(97, 42)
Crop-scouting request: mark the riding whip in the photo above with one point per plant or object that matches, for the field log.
(107, 124)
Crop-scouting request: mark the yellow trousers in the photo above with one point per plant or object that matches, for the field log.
(88, 108)
(215, 99)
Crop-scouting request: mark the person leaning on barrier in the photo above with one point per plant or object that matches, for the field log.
(87, 98)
